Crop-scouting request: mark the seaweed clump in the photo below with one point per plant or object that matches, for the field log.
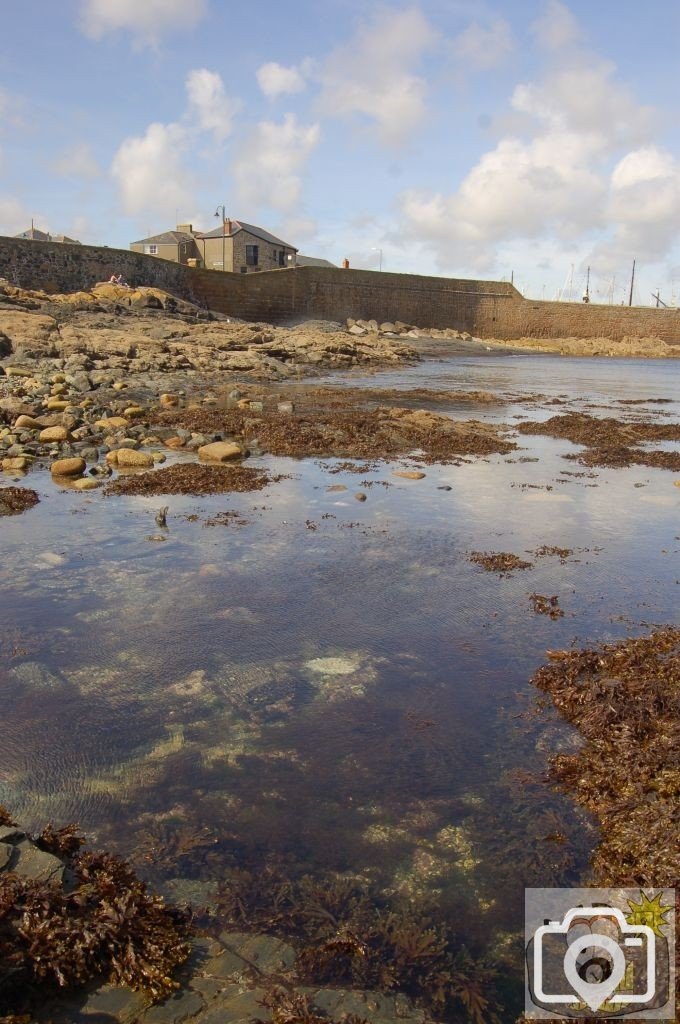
(348, 936)
(350, 432)
(610, 442)
(101, 924)
(502, 562)
(546, 605)
(191, 478)
(294, 1008)
(625, 700)
(15, 500)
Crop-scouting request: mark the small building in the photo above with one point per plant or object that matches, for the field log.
(235, 246)
(36, 235)
(179, 246)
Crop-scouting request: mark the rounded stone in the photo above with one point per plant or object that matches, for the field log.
(112, 423)
(86, 483)
(16, 462)
(220, 451)
(54, 434)
(128, 457)
(68, 467)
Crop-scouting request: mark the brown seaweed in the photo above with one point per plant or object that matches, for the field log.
(610, 442)
(15, 500)
(502, 562)
(546, 605)
(348, 935)
(103, 925)
(349, 432)
(191, 478)
(625, 699)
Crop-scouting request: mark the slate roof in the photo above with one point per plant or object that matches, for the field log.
(35, 234)
(252, 229)
(313, 261)
(166, 238)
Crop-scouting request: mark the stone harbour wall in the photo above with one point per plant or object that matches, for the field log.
(486, 309)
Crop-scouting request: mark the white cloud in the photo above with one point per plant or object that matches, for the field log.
(644, 204)
(146, 20)
(275, 79)
(268, 165)
(150, 173)
(15, 217)
(483, 47)
(585, 97)
(151, 170)
(643, 166)
(373, 74)
(557, 27)
(208, 101)
(78, 161)
(303, 229)
(549, 176)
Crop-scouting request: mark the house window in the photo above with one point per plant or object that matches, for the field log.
(252, 255)
(282, 259)
(151, 250)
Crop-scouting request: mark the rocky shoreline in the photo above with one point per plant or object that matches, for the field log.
(90, 384)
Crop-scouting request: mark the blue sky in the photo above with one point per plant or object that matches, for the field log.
(458, 138)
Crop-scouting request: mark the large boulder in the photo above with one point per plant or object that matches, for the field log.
(68, 467)
(220, 451)
(128, 457)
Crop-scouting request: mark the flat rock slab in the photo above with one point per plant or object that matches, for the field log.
(30, 862)
(265, 952)
(178, 1008)
(234, 1004)
(8, 832)
(373, 1006)
(109, 1004)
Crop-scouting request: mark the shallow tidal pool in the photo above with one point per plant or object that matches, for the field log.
(331, 683)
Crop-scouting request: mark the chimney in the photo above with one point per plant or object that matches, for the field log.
(188, 229)
(227, 226)
(345, 264)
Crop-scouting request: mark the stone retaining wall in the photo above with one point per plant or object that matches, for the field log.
(484, 308)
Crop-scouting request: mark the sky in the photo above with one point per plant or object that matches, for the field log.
(515, 139)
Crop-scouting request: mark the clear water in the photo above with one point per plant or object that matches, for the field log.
(348, 696)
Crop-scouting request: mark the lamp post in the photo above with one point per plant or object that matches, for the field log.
(224, 217)
(376, 249)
